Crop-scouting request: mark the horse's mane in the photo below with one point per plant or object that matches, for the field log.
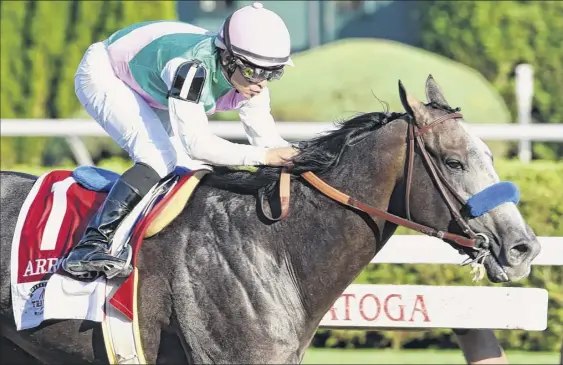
(319, 154)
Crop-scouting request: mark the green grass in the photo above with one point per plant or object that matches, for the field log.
(354, 356)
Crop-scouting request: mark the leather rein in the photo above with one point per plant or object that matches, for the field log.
(414, 136)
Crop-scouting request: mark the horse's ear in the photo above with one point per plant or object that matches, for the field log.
(412, 106)
(403, 96)
(433, 92)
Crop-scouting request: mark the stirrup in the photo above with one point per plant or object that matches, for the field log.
(110, 270)
(106, 267)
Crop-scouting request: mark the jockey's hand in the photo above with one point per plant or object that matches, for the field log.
(280, 156)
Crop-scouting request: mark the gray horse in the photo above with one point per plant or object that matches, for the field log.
(221, 284)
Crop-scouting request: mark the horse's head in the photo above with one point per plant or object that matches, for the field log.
(464, 194)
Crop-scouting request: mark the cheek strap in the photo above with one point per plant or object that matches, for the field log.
(491, 197)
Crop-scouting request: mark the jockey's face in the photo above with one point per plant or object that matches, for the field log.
(246, 88)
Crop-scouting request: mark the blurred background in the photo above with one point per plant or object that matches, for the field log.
(500, 61)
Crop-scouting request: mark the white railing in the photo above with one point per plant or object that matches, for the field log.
(370, 306)
(72, 129)
(296, 130)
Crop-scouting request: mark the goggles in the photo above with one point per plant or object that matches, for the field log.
(256, 74)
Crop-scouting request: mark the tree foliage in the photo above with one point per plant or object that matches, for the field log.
(493, 37)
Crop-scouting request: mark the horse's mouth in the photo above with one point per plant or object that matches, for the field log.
(499, 267)
(495, 271)
(485, 261)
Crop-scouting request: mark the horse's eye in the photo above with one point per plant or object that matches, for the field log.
(454, 164)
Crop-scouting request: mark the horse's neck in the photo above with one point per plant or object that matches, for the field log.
(340, 241)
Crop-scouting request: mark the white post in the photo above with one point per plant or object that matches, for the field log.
(79, 151)
(314, 23)
(524, 95)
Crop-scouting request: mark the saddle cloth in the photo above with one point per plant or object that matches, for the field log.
(52, 220)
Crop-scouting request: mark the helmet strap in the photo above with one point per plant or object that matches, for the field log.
(228, 62)
(226, 36)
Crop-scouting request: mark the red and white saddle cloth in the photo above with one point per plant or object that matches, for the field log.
(51, 221)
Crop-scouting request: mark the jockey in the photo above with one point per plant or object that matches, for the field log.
(151, 87)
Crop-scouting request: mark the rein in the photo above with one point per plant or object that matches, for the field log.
(475, 240)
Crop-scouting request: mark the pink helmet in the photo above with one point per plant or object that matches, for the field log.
(258, 35)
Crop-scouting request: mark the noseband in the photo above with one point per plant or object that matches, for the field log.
(478, 241)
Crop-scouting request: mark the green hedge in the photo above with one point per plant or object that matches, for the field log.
(541, 187)
(494, 36)
(42, 44)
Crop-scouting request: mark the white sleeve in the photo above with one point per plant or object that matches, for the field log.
(259, 123)
(190, 123)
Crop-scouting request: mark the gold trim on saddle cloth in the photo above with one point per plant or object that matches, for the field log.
(175, 206)
(122, 337)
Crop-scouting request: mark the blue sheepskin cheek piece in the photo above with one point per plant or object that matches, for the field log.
(493, 196)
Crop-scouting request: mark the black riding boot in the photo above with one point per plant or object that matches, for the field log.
(92, 254)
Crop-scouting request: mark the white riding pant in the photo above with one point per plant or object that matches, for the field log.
(143, 132)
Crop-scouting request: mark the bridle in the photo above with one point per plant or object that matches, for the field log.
(477, 241)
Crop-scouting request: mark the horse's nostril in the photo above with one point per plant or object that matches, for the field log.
(521, 248)
(518, 253)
